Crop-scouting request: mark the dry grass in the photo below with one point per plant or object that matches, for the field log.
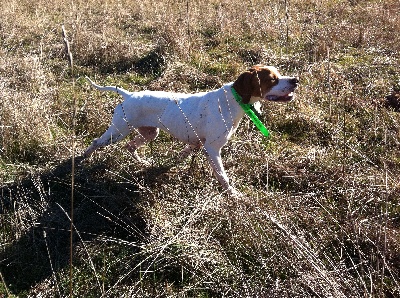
(320, 212)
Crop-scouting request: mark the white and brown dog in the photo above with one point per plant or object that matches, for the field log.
(206, 119)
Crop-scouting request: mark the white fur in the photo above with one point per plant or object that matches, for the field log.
(206, 119)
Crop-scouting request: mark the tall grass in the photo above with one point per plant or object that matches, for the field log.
(319, 216)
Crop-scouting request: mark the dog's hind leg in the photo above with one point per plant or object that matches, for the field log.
(117, 131)
(146, 134)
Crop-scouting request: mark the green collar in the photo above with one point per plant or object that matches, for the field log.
(249, 110)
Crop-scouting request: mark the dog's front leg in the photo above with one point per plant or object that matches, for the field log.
(214, 158)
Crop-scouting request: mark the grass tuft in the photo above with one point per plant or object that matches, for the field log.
(320, 211)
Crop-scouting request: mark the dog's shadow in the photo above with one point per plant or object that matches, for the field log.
(103, 206)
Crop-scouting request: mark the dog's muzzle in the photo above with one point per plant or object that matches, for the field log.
(294, 82)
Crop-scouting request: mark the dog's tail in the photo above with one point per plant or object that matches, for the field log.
(119, 90)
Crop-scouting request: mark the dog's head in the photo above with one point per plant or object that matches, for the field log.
(265, 82)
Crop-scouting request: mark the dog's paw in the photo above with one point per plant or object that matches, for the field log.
(141, 160)
(185, 152)
(231, 191)
(239, 198)
(145, 162)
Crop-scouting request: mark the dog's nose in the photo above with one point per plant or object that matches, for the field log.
(294, 81)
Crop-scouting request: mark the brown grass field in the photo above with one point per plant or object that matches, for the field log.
(320, 211)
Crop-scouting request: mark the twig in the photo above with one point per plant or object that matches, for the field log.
(344, 157)
(287, 24)
(51, 264)
(188, 26)
(71, 65)
(68, 49)
(4, 285)
(329, 83)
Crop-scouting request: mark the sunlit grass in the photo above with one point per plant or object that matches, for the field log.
(319, 212)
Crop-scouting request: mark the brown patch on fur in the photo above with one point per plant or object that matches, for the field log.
(255, 82)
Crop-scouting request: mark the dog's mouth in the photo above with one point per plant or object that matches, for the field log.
(284, 98)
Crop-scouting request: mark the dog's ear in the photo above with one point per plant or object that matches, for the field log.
(243, 85)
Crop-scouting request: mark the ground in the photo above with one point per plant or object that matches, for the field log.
(319, 215)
